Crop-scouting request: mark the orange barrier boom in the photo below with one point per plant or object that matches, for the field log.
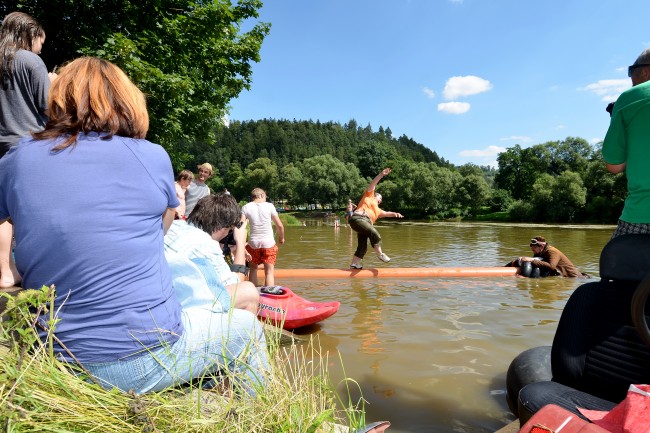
(393, 272)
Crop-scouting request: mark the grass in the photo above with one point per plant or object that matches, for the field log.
(494, 216)
(39, 393)
(289, 219)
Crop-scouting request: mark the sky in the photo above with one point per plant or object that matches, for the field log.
(465, 78)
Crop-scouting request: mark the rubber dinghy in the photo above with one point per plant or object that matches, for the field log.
(281, 307)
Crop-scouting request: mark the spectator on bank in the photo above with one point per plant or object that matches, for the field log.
(183, 180)
(23, 101)
(210, 221)
(198, 188)
(102, 245)
(261, 243)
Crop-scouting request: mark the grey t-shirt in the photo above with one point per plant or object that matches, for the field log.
(194, 193)
(23, 99)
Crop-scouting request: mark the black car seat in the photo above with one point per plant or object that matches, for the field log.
(597, 352)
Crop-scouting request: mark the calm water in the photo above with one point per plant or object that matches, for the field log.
(430, 355)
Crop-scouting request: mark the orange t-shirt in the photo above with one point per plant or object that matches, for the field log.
(369, 206)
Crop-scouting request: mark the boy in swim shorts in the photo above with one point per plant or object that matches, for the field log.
(261, 243)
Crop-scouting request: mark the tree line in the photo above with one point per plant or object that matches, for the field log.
(301, 163)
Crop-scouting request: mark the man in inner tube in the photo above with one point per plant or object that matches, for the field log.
(550, 261)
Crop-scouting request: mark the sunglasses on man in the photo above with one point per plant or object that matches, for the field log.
(630, 69)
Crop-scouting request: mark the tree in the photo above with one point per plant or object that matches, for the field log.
(373, 157)
(327, 180)
(189, 57)
(290, 178)
(262, 173)
(605, 193)
(500, 200)
(559, 199)
(473, 192)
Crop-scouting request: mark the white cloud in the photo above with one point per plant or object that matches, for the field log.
(596, 140)
(454, 107)
(608, 90)
(488, 152)
(560, 126)
(465, 86)
(430, 93)
(521, 138)
(486, 156)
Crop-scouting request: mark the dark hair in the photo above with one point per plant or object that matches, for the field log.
(215, 212)
(18, 32)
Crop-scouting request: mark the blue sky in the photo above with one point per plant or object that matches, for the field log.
(466, 78)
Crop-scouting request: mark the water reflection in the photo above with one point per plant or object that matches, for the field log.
(431, 354)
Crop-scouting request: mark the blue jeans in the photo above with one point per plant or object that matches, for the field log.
(232, 341)
(214, 338)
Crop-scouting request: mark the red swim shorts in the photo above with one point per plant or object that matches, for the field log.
(263, 255)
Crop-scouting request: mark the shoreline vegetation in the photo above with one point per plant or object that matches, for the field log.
(40, 393)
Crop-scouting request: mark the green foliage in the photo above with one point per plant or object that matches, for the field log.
(500, 200)
(289, 220)
(39, 393)
(328, 181)
(521, 211)
(473, 192)
(261, 173)
(189, 57)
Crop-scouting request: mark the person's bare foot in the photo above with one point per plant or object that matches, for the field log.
(9, 282)
(10, 279)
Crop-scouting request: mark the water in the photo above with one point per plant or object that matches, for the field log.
(430, 354)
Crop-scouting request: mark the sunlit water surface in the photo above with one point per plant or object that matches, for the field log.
(430, 355)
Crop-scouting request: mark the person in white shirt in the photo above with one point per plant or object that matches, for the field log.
(198, 188)
(261, 242)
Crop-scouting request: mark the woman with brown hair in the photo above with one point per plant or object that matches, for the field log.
(90, 221)
(23, 101)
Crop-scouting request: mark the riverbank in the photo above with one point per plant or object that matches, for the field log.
(39, 393)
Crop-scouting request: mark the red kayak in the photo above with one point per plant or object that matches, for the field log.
(280, 306)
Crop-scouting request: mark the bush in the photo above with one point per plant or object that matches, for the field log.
(521, 211)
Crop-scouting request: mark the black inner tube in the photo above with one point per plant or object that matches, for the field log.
(639, 301)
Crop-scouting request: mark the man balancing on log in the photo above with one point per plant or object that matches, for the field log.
(363, 219)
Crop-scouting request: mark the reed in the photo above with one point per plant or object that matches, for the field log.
(39, 393)
(289, 219)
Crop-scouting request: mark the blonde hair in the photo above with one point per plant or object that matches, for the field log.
(94, 95)
(206, 166)
(258, 193)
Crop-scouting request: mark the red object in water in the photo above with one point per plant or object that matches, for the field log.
(280, 306)
(554, 419)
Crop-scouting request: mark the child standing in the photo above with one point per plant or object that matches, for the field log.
(261, 243)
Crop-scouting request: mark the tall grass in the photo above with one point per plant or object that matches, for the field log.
(39, 393)
(289, 219)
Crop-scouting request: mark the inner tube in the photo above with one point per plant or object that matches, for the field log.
(639, 301)
(528, 269)
(532, 365)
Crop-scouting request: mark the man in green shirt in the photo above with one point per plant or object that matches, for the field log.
(627, 147)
